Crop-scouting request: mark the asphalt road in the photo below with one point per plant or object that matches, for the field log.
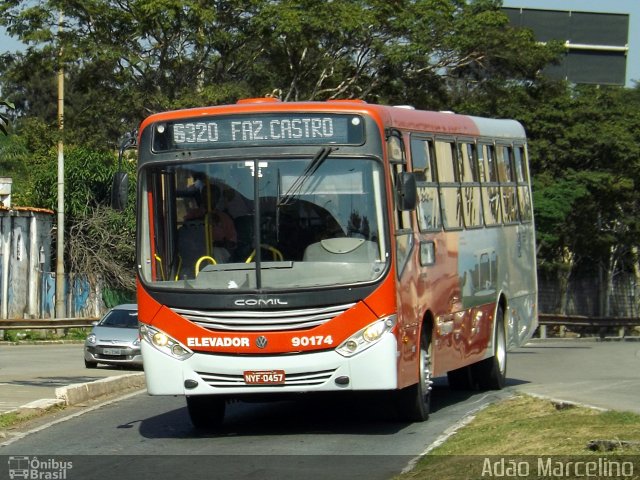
(602, 374)
(32, 372)
(334, 437)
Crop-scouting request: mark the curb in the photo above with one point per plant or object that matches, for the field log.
(81, 392)
(78, 393)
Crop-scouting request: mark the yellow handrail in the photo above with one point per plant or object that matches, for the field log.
(277, 254)
(202, 259)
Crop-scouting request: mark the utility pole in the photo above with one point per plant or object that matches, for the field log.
(60, 294)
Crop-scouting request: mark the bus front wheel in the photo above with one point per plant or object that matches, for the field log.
(206, 411)
(414, 402)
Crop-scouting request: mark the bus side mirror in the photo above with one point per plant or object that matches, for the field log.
(119, 190)
(120, 184)
(406, 191)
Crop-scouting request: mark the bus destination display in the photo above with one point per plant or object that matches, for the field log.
(224, 132)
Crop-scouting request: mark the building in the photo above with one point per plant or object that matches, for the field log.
(602, 39)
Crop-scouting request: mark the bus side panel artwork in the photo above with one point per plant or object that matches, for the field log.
(419, 290)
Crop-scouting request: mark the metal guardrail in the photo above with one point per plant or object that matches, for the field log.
(601, 324)
(44, 323)
(582, 321)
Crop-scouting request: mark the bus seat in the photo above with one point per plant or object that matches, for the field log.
(191, 246)
(343, 249)
(244, 229)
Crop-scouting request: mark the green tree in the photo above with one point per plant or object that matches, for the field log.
(126, 59)
(4, 118)
(586, 161)
(99, 241)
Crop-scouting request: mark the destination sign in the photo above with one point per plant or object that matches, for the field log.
(255, 130)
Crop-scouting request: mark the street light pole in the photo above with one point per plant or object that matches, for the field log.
(60, 283)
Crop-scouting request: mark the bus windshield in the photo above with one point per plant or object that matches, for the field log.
(263, 223)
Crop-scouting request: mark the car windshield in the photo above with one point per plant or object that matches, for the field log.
(318, 221)
(120, 319)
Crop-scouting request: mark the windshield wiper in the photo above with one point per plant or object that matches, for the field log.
(310, 169)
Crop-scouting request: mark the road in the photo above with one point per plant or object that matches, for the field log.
(601, 374)
(333, 437)
(31, 372)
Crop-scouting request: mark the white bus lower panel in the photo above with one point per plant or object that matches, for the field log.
(372, 369)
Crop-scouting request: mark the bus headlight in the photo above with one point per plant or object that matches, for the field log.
(164, 343)
(368, 336)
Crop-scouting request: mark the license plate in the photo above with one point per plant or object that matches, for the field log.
(264, 377)
(112, 351)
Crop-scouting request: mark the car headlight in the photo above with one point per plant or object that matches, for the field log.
(368, 336)
(164, 343)
(136, 342)
(91, 339)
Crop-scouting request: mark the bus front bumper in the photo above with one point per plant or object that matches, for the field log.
(209, 374)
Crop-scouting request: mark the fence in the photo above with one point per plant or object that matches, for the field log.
(585, 325)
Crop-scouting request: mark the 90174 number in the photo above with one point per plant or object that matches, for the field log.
(313, 340)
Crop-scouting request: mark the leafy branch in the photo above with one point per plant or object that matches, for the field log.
(4, 118)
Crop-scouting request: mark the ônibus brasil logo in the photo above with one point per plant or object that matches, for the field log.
(38, 469)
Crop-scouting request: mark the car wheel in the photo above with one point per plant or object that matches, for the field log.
(414, 402)
(206, 411)
(89, 364)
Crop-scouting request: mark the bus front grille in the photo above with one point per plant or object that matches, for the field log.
(262, 320)
(306, 379)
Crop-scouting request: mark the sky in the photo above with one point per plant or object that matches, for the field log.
(631, 7)
(8, 44)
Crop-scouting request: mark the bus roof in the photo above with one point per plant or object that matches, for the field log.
(401, 117)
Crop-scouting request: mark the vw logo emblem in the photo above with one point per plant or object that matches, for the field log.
(261, 341)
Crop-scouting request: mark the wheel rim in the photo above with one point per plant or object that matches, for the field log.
(425, 370)
(501, 348)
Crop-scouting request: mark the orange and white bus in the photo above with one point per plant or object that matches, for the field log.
(330, 246)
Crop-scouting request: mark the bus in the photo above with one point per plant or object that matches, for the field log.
(333, 246)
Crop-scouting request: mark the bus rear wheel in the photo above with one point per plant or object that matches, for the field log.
(206, 411)
(491, 373)
(414, 402)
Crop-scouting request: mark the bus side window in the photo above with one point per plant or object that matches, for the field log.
(490, 185)
(448, 180)
(524, 193)
(398, 164)
(507, 179)
(402, 219)
(428, 211)
(470, 189)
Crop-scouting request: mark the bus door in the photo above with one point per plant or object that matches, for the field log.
(406, 272)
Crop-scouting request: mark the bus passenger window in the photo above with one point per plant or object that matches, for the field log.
(450, 197)
(428, 211)
(524, 194)
(398, 164)
(421, 159)
(470, 191)
(507, 180)
(490, 186)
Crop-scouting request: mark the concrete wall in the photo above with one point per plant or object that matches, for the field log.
(27, 283)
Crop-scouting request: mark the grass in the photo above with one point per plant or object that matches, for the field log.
(525, 431)
(28, 336)
(14, 419)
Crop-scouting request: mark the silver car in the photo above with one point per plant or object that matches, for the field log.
(114, 340)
